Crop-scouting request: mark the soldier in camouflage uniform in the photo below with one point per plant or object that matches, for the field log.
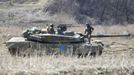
(61, 28)
(50, 29)
(88, 32)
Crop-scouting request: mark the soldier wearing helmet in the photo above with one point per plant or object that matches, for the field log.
(50, 29)
(88, 31)
(61, 28)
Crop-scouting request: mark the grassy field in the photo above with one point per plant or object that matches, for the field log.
(117, 57)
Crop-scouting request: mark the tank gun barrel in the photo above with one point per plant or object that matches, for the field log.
(111, 35)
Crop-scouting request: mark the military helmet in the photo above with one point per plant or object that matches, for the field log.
(52, 25)
(88, 24)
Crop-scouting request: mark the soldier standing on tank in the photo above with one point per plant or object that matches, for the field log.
(50, 29)
(88, 31)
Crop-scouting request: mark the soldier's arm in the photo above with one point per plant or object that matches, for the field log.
(92, 28)
(85, 31)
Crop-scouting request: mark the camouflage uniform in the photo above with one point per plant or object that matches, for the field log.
(50, 29)
(60, 32)
(88, 32)
(61, 28)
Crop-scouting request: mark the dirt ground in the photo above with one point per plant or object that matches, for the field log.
(117, 57)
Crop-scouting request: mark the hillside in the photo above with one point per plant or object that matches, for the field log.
(99, 11)
(69, 11)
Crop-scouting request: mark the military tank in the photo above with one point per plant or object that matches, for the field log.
(34, 41)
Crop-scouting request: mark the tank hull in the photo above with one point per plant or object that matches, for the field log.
(20, 45)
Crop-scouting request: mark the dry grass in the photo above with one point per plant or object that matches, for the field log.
(117, 58)
(67, 65)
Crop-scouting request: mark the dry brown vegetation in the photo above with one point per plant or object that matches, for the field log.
(97, 11)
(117, 57)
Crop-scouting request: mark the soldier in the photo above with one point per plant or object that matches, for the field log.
(88, 32)
(50, 29)
(61, 28)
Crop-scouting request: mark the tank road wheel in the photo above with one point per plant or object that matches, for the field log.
(100, 52)
(19, 52)
(82, 55)
(97, 51)
(13, 51)
(93, 54)
(79, 55)
(74, 50)
(85, 55)
(101, 47)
